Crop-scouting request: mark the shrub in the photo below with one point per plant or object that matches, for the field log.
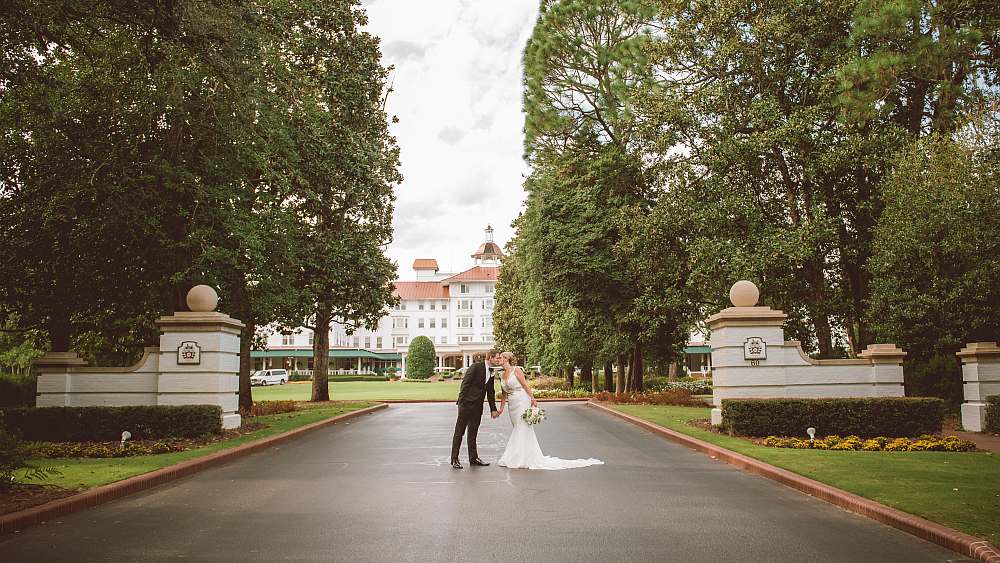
(299, 376)
(864, 417)
(101, 424)
(677, 397)
(106, 449)
(264, 408)
(420, 363)
(695, 387)
(992, 414)
(937, 376)
(881, 443)
(17, 391)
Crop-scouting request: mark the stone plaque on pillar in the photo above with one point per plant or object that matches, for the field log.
(189, 353)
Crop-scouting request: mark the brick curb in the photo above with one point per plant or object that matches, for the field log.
(105, 493)
(944, 536)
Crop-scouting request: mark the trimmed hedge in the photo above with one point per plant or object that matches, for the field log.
(101, 424)
(17, 391)
(420, 364)
(992, 414)
(864, 417)
(329, 378)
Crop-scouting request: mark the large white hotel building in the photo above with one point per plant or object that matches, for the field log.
(454, 310)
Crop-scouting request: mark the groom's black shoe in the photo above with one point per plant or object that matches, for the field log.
(456, 464)
(478, 461)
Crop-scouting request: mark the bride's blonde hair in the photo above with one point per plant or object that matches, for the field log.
(510, 357)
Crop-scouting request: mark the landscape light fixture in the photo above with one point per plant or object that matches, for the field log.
(125, 436)
(812, 434)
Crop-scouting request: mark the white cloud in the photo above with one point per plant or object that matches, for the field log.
(457, 93)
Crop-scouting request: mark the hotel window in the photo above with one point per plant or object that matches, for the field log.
(444, 306)
(433, 304)
(420, 306)
(444, 340)
(487, 304)
(487, 322)
(368, 342)
(378, 342)
(400, 322)
(400, 340)
(464, 322)
(287, 339)
(490, 288)
(398, 306)
(465, 304)
(357, 341)
(420, 323)
(463, 288)
(465, 339)
(433, 323)
(444, 322)
(312, 338)
(487, 338)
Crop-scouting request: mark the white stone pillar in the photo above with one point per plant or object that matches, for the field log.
(200, 359)
(981, 379)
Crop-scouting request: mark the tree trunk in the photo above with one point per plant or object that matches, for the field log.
(60, 330)
(246, 365)
(637, 369)
(609, 378)
(587, 376)
(321, 354)
(570, 376)
(620, 381)
(672, 371)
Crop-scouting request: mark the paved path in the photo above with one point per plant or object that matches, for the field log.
(380, 489)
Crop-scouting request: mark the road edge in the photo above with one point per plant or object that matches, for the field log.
(959, 542)
(16, 521)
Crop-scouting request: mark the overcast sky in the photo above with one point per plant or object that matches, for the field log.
(457, 93)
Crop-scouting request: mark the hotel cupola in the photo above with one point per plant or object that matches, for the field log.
(489, 253)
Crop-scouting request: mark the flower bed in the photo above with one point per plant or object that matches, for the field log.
(561, 393)
(694, 387)
(678, 397)
(925, 443)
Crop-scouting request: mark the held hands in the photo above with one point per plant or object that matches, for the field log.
(534, 402)
(495, 414)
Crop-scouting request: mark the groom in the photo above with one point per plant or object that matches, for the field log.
(477, 383)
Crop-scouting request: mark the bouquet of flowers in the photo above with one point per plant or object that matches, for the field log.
(533, 415)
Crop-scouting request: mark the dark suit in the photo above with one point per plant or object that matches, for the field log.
(475, 387)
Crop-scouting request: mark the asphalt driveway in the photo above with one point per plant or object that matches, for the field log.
(380, 489)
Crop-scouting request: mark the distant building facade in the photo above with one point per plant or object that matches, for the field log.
(454, 310)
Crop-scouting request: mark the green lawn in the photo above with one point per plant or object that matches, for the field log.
(362, 391)
(959, 490)
(86, 473)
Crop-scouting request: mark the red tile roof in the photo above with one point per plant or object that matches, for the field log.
(479, 273)
(421, 290)
(425, 264)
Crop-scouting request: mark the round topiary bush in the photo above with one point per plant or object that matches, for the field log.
(420, 361)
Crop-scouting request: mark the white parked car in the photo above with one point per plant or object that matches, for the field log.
(269, 377)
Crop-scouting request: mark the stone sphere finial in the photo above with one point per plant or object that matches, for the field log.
(202, 299)
(744, 294)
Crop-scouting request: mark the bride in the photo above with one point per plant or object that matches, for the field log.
(522, 448)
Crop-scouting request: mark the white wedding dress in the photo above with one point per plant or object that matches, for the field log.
(522, 451)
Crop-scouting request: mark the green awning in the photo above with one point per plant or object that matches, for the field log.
(335, 353)
(697, 350)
